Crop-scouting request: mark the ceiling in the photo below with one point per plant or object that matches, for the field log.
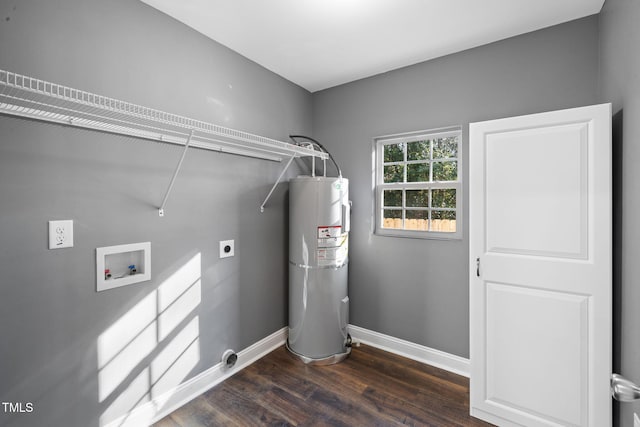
(319, 44)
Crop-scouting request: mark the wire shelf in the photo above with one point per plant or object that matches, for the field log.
(32, 98)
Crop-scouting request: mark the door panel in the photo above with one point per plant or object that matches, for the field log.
(540, 285)
(547, 169)
(519, 363)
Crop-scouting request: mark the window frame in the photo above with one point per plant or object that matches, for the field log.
(380, 186)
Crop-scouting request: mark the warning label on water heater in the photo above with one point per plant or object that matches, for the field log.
(328, 231)
(332, 256)
(332, 246)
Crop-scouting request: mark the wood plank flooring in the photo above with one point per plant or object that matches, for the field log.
(370, 388)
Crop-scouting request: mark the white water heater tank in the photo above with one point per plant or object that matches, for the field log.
(319, 214)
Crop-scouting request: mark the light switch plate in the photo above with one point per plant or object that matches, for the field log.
(61, 234)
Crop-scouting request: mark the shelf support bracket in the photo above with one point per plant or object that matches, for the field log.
(277, 182)
(175, 174)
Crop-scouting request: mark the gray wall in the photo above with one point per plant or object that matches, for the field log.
(417, 289)
(620, 85)
(51, 318)
(50, 315)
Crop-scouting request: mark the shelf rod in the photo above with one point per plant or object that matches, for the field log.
(276, 183)
(175, 174)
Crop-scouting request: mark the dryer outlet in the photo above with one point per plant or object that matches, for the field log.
(227, 248)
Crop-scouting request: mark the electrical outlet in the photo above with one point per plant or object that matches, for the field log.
(61, 234)
(227, 248)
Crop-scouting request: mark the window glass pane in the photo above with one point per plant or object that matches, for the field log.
(393, 153)
(443, 221)
(418, 150)
(417, 220)
(418, 198)
(392, 198)
(393, 173)
(445, 148)
(419, 182)
(418, 172)
(445, 171)
(392, 218)
(443, 198)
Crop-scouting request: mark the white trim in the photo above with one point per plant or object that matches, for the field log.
(168, 402)
(163, 405)
(411, 136)
(439, 359)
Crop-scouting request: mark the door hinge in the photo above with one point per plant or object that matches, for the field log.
(478, 266)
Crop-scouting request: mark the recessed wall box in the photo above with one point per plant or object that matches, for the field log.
(122, 265)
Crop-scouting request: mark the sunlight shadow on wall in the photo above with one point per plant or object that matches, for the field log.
(152, 348)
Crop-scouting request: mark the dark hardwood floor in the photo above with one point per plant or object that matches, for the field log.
(371, 388)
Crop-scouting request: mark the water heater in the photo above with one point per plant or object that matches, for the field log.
(319, 213)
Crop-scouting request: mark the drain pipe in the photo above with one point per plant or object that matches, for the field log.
(229, 359)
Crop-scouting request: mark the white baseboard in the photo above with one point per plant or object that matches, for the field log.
(163, 405)
(439, 359)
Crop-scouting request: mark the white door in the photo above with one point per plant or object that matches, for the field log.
(540, 279)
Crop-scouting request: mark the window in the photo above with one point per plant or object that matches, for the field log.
(418, 184)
